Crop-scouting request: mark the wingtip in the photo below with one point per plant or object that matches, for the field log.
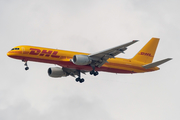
(135, 40)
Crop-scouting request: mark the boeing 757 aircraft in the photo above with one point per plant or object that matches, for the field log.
(75, 63)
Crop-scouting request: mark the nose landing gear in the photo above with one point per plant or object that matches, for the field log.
(25, 64)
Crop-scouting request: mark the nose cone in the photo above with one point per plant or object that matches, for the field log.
(8, 54)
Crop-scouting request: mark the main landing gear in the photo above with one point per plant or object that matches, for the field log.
(79, 79)
(25, 64)
(93, 72)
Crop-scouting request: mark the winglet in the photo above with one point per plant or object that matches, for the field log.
(155, 64)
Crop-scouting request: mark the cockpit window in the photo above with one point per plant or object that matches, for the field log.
(15, 49)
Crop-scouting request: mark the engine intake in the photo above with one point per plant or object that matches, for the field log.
(81, 60)
(56, 72)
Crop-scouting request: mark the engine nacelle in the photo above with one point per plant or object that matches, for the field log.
(56, 72)
(81, 60)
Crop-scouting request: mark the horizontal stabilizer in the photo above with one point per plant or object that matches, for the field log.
(155, 64)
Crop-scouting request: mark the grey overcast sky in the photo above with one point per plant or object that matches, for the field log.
(89, 26)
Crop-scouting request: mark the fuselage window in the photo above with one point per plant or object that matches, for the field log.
(15, 49)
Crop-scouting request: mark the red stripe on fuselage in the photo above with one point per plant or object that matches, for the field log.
(69, 64)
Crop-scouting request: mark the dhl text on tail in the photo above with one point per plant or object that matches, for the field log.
(75, 63)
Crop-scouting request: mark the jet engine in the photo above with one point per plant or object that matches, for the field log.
(81, 60)
(56, 72)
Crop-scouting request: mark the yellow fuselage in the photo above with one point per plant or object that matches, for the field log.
(62, 58)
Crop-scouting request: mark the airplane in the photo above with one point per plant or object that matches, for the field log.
(75, 63)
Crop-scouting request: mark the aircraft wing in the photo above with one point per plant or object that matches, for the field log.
(101, 57)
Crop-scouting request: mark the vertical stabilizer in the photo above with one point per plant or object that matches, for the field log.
(146, 54)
